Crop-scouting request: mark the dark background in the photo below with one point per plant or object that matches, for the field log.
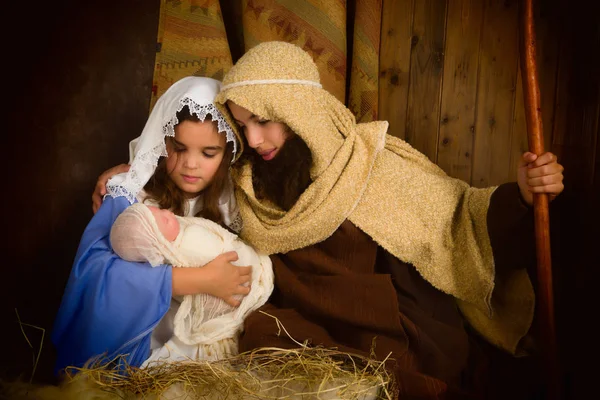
(78, 78)
(81, 76)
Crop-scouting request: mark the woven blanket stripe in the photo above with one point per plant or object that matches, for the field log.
(319, 27)
(191, 41)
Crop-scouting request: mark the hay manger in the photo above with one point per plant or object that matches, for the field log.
(266, 373)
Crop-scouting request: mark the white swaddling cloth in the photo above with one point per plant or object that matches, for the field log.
(205, 327)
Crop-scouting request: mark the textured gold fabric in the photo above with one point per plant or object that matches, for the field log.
(407, 204)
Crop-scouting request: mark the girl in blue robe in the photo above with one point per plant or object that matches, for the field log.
(117, 310)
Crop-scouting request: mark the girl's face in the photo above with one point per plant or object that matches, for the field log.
(167, 222)
(195, 154)
(266, 137)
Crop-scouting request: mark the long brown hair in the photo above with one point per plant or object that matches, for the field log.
(161, 189)
(283, 179)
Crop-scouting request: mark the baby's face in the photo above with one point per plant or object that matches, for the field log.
(167, 222)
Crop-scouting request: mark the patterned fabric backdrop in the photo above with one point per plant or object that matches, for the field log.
(192, 40)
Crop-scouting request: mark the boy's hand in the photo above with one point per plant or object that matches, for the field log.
(100, 189)
(541, 174)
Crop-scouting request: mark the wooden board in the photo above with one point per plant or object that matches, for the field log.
(426, 69)
(459, 92)
(394, 64)
(496, 93)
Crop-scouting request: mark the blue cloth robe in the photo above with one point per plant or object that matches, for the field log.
(110, 306)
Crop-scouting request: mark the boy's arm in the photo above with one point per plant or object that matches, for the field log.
(511, 230)
(100, 188)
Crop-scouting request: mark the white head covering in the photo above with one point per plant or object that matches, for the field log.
(135, 236)
(195, 92)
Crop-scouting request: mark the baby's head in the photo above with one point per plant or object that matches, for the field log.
(166, 221)
(144, 233)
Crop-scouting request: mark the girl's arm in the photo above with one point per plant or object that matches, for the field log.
(109, 305)
(219, 278)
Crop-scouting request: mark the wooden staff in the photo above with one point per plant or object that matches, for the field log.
(535, 136)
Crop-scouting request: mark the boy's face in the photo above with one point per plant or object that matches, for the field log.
(167, 222)
(265, 137)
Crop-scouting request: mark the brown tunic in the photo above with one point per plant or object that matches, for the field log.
(347, 290)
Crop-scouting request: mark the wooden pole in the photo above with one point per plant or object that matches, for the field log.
(535, 136)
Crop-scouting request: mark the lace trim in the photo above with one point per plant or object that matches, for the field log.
(115, 191)
(201, 111)
(132, 183)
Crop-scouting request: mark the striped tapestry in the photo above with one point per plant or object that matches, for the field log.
(192, 40)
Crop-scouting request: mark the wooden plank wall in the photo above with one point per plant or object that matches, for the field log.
(451, 83)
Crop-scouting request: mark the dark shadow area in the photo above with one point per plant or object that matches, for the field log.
(82, 76)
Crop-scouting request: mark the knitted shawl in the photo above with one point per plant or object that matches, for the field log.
(395, 194)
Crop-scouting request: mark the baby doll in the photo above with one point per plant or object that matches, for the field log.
(205, 327)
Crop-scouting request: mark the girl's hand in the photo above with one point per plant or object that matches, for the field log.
(219, 278)
(541, 174)
(225, 280)
(100, 189)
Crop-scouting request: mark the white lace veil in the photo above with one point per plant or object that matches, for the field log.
(195, 92)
